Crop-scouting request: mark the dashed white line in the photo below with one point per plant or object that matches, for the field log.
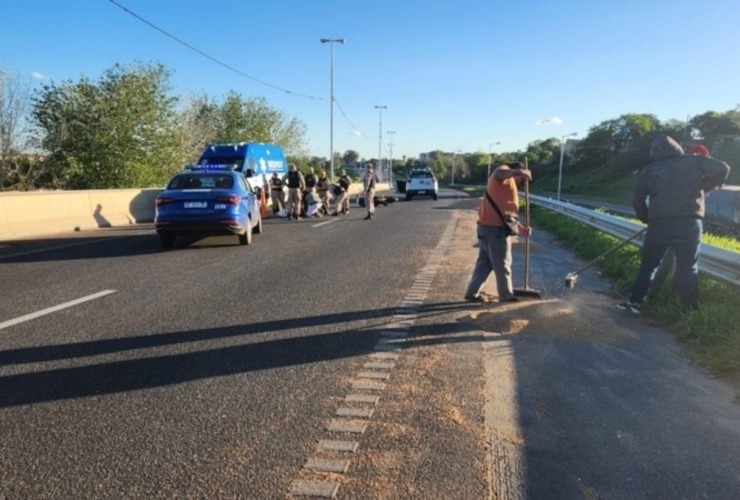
(325, 222)
(43, 312)
(389, 344)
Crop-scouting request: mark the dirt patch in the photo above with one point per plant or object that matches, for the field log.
(574, 319)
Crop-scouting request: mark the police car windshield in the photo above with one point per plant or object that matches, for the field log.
(222, 160)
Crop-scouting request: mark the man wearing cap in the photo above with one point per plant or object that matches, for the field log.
(669, 198)
(369, 182)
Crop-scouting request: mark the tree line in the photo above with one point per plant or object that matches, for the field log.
(126, 130)
(123, 130)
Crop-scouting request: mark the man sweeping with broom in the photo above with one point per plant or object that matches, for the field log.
(497, 221)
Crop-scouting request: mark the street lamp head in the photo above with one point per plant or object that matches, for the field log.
(328, 40)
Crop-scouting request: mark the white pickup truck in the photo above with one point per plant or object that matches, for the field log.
(421, 182)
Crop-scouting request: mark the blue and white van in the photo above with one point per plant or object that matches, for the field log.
(255, 160)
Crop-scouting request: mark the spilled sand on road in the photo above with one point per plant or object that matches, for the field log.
(573, 318)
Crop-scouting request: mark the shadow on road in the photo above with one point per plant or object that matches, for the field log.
(152, 371)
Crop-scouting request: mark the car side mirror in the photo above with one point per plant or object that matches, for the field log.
(249, 173)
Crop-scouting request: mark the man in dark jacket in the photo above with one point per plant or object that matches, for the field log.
(669, 197)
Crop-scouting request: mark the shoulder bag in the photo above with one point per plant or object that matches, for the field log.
(511, 222)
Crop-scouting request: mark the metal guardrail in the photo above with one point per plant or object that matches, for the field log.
(720, 264)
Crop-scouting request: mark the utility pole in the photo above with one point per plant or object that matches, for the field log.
(390, 145)
(332, 41)
(380, 109)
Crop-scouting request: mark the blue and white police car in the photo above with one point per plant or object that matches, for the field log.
(208, 200)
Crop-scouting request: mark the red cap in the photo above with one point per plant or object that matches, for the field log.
(698, 149)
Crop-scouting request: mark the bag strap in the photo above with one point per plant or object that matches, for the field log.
(495, 207)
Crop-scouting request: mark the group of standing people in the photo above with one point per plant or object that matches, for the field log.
(309, 195)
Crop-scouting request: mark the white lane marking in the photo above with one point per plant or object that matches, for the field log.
(43, 312)
(325, 222)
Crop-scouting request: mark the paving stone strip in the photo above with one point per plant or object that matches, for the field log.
(366, 387)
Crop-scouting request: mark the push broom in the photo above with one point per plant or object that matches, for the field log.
(526, 291)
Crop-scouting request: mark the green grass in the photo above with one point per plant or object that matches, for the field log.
(711, 333)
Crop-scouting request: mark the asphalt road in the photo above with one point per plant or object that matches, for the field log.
(223, 371)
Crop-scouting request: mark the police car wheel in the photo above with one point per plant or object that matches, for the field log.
(258, 227)
(246, 237)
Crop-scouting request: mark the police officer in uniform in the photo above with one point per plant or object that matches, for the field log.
(342, 205)
(322, 188)
(276, 193)
(370, 180)
(296, 185)
(310, 180)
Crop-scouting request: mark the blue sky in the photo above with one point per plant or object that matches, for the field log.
(454, 75)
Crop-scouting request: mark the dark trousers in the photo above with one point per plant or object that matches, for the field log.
(683, 235)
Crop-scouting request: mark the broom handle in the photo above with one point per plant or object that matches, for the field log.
(619, 245)
(526, 223)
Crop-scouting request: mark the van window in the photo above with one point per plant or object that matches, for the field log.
(222, 160)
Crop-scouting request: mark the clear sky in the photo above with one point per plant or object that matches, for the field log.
(454, 75)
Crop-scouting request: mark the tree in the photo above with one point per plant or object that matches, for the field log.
(253, 120)
(440, 164)
(711, 125)
(14, 104)
(197, 125)
(350, 157)
(678, 129)
(117, 132)
(543, 152)
(477, 164)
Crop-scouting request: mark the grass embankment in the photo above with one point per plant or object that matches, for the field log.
(711, 332)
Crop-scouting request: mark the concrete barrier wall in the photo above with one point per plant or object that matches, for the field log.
(38, 213)
(24, 215)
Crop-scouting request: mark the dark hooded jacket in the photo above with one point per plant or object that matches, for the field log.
(673, 185)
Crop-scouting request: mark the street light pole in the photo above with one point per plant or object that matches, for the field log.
(489, 159)
(563, 140)
(380, 134)
(332, 41)
(390, 144)
(452, 183)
